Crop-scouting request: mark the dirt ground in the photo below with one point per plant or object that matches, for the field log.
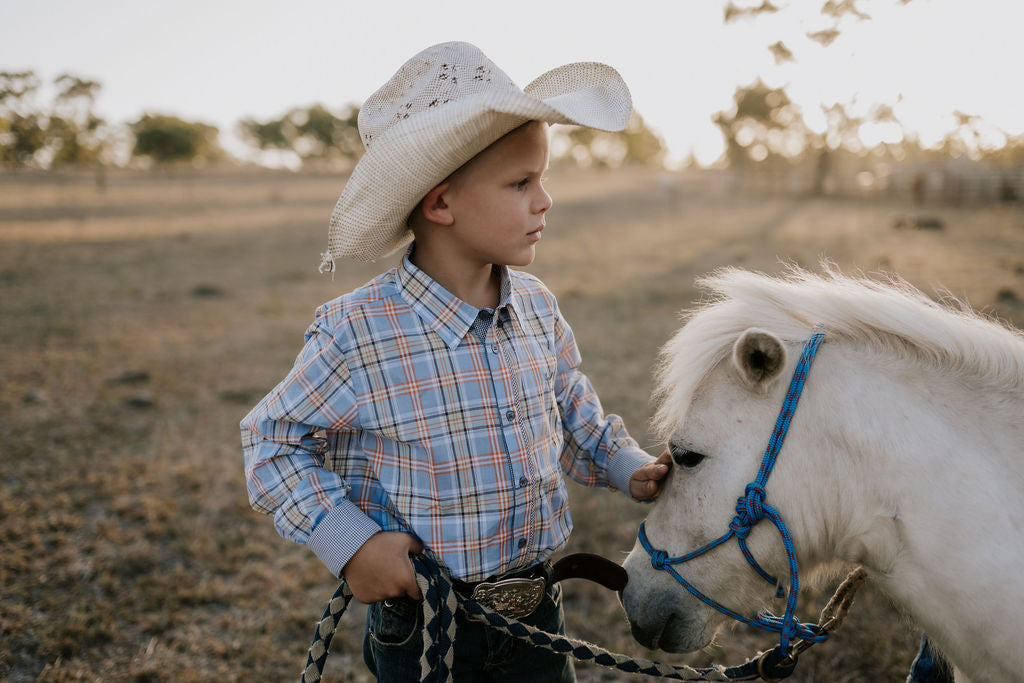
(140, 319)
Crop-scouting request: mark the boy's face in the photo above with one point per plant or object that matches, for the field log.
(498, 200)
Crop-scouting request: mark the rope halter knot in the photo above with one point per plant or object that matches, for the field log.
(659, 559)
(749, 510)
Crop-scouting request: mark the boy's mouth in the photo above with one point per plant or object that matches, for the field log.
(535, 234)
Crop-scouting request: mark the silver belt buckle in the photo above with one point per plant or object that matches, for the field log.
(512, 598)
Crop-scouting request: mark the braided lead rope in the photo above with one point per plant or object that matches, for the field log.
(585, 651)
(320, 648)
(439, 606)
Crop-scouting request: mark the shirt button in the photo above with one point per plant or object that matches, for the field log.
(510, 415)
(522, 542)
(494, 348)
(522, 482)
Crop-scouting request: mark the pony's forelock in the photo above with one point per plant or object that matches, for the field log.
(886, 314)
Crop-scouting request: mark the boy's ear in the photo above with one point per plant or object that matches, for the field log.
(434, 207)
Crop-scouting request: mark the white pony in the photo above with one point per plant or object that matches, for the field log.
(906, 455)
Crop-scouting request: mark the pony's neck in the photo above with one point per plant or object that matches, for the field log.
(927, 474)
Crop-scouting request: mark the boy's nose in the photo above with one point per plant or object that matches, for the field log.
(544, 201)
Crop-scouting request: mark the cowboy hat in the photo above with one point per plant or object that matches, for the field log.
(441, 108)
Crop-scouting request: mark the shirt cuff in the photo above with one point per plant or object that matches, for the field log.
(624, 464)
(339, 534)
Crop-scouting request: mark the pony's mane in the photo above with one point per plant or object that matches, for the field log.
(889, 316)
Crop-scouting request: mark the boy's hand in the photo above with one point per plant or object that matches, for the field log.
(381, 568)
(646, 482)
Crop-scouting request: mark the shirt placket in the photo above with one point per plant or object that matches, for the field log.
(501, 356)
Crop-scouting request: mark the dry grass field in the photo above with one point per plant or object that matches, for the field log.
(139, 322)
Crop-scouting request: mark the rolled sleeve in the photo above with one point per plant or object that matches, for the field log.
(283, 448)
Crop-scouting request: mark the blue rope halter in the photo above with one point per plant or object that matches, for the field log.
(751, 509)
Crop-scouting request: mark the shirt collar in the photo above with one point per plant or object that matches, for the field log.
(443, 312)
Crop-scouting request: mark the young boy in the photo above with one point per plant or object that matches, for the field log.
(437, 406)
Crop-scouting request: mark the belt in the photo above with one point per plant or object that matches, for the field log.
(518, 592)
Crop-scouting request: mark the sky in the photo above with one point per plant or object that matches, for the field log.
(222, 60)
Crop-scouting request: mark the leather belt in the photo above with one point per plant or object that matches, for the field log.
(517, 593)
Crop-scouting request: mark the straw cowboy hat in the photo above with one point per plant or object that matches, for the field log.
(440, 109)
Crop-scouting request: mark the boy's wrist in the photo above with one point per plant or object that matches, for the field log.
(624, 464)
(339, 534)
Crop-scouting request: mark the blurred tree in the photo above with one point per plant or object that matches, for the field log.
(16, 89)
(22, 132)
(21, 138)
(1010, 154)
(67, 131)
(837, 10)
(734, 12)
(824, 37)
(842, 131)
(165, 139)
(762, 122)
(637, 144)
(314, 133)
(780, 52)
(643, 146)
(74, 131)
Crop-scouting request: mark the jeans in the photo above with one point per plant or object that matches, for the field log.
(394, 642)
(929, 666)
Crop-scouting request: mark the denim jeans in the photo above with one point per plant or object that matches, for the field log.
(394, 642)
(929, 666)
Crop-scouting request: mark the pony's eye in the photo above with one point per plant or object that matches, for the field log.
(684, 457)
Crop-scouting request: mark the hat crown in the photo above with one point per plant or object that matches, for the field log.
(436, 76)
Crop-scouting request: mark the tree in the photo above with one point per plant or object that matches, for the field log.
(312, 133)
(164, 139)
(67, 131)
(763, 122)
(837, 10)
(73, 131)
(637, 144)
(16, 89)
(22, 127)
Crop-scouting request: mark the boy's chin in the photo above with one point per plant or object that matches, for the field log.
(520, 260)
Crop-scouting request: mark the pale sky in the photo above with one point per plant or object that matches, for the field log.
(219, 60)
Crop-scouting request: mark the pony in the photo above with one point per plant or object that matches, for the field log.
(905, 456)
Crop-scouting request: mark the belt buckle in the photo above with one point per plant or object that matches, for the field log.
(512, 598)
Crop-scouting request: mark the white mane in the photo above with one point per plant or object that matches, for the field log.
(891, 317)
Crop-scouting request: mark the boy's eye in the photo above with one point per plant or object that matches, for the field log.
(521, 184)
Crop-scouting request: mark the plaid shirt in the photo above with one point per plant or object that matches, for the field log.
(396, 416)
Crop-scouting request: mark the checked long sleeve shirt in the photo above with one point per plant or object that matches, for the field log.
(411, 410)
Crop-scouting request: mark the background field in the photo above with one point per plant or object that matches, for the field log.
(141, 320)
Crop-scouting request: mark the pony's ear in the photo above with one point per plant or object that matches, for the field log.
(759, 356)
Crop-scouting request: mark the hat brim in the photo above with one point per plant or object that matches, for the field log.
(369, 218)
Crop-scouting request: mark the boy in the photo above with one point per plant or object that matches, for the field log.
(435, 406)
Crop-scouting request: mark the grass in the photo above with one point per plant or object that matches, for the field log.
(141, 321)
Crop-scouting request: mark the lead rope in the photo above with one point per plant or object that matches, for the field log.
(440, 602)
